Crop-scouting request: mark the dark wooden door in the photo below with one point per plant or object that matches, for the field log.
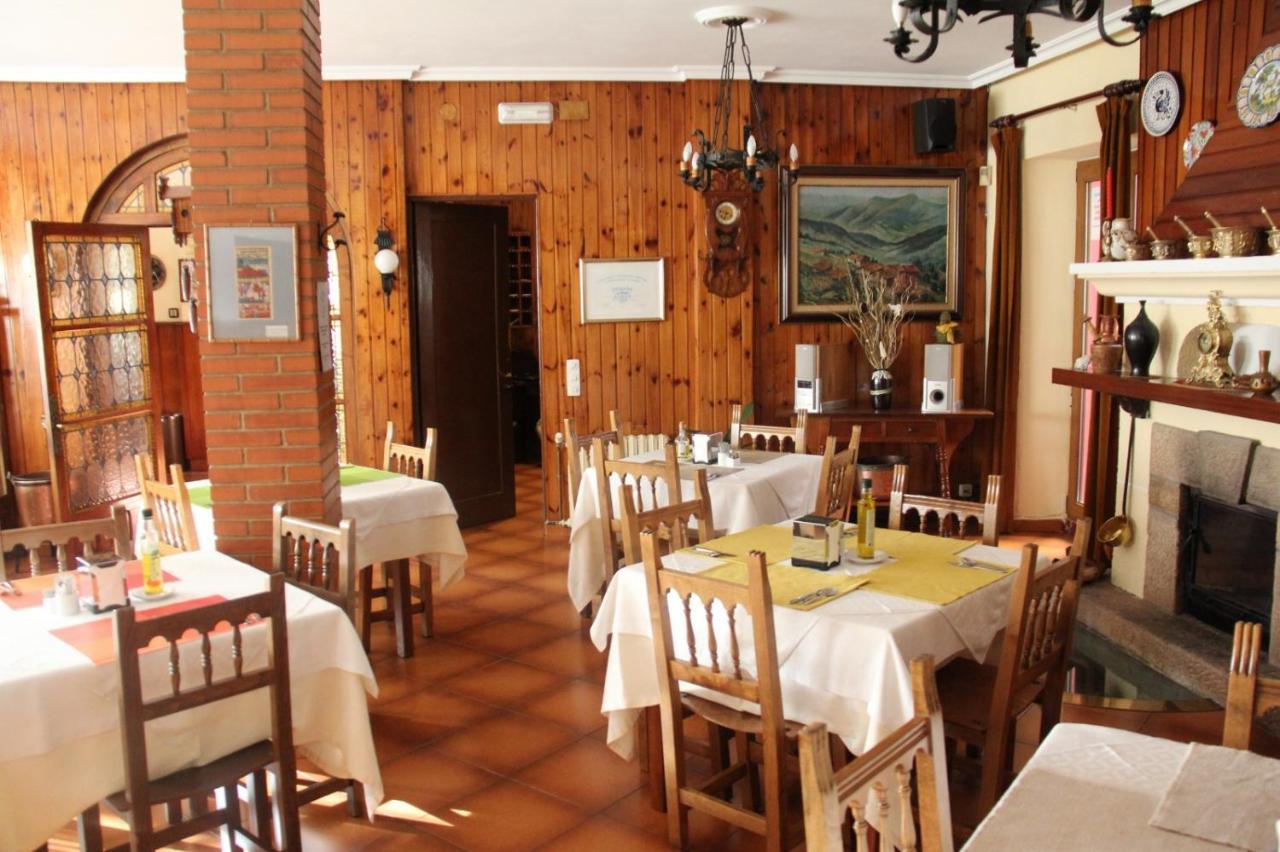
(462, 375)
(98, 356)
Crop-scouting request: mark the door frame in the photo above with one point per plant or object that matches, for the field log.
(415, 286)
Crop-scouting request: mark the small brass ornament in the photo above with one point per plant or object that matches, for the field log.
(1214, 343)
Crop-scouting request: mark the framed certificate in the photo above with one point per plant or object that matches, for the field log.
(629, 290)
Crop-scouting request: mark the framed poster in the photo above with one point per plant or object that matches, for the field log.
(837, 218)
(253, 282)
(632, 289)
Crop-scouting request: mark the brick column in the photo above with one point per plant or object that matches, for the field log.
(257, 157)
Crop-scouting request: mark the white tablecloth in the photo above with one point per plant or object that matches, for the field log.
(777, 487)
(61, 749)
(844, 663)
(395, 518)
(1089, 787)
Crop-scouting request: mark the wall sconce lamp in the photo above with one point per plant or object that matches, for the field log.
(386, 261)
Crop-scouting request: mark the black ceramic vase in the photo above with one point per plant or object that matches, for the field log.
(881, 390)
(1141, 339)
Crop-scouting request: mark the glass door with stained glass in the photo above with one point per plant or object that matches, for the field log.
(99, 349)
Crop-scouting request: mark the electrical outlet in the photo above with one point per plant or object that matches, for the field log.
(965, 490)
(573, 377)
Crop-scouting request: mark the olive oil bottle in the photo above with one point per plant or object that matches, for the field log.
(866, 522)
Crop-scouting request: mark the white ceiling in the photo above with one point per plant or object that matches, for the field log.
(823, 41)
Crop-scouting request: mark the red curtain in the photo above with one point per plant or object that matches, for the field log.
(1006, 284)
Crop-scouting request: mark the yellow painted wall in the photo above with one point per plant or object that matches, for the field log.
(1053, 144)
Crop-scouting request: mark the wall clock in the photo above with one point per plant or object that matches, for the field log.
(725, 271)
(1258, 98)
(1161, 103)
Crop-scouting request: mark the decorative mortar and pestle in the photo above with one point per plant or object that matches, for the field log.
(1236, 241)
(1163, 249)
(1105, 351)
(1262, 383)
(1273, 235)
(1199, 245)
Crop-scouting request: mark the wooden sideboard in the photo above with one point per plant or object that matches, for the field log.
(943, 430)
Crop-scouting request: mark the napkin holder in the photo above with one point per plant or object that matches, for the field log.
(108, 586)
(706, 447)
(815, 542)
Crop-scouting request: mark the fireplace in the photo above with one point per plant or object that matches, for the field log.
(1227, 561)
(1212, 546)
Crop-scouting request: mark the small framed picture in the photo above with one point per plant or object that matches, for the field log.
(253, 282)
(186, 278)
(628, 290)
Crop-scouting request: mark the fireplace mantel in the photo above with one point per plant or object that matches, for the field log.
(1244, 281)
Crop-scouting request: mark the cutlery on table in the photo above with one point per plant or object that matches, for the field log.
(816, 595)
(707, 551)
(10, 588)
(966, 562)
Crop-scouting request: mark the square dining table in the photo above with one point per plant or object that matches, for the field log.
(60, 683)
(763, 488)
(845, 662)
(397, 518)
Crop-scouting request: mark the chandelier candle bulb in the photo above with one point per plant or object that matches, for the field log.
(899, 13)
(794, 153)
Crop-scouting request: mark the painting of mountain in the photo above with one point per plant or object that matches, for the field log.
(898, 222)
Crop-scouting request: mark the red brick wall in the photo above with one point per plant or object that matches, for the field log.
(257, 157)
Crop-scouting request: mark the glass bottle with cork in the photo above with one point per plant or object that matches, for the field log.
(152, 575)
(684, 446)
(866, 522)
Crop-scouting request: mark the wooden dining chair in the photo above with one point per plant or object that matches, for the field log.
(631, 442)
(780, 439)
(320, 559)
(577, 449)
(913, 758)
(714, 664)
(418, 463)
(1249, 697)
(170, 506)
(677, 524)
(951, 516)
(981, 703)
(651, 484)
(54, 547)
(221, 777)
(836, 483)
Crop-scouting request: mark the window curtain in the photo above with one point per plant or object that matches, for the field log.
(1006, 284)
(1113, 154)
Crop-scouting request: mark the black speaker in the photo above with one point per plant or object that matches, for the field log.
(934, 122)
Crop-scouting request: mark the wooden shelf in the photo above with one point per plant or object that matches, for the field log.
(1238, 403)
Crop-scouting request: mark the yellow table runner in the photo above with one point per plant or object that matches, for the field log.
(788, 583)
(925, 568)
(774, 540)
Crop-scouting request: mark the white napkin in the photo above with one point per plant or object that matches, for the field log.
(1224, 795)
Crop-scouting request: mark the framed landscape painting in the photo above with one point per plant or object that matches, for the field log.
(840, 217)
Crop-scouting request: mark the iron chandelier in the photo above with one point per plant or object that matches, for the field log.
(932, 18)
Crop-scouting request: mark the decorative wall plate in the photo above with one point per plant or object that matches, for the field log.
(1258, 98)
(1161, 103)
(1193, 146)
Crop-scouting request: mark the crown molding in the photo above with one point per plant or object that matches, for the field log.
(1081, 36)
(369, 72)
(93, 74)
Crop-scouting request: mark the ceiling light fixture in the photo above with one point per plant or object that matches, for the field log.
(704, 155)
(932, 18)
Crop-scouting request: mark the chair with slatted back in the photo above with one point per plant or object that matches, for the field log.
(981, 703)
(713, 663)
(577, 450)
(170, 506)
(681, 521)
(652, 484)
(419, 463)
(913, 758)
(780, 439)
(632, 442)
(54, 547)
(836, 482)
(1249, 697)
(951, 516)
(134, 803)
(320, 559)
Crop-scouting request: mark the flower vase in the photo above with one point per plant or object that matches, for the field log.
(1141, 340)
(881, 390)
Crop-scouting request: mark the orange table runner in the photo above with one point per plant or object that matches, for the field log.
(96, 639)
(33, 588)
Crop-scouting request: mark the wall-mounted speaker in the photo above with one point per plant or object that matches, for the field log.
(933, 121)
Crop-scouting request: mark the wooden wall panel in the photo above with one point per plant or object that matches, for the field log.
(57, 143)
(1208, 46)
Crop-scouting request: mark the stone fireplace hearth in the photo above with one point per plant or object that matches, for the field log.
(1226, 468)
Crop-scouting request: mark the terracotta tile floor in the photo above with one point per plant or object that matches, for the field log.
(491, 736)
